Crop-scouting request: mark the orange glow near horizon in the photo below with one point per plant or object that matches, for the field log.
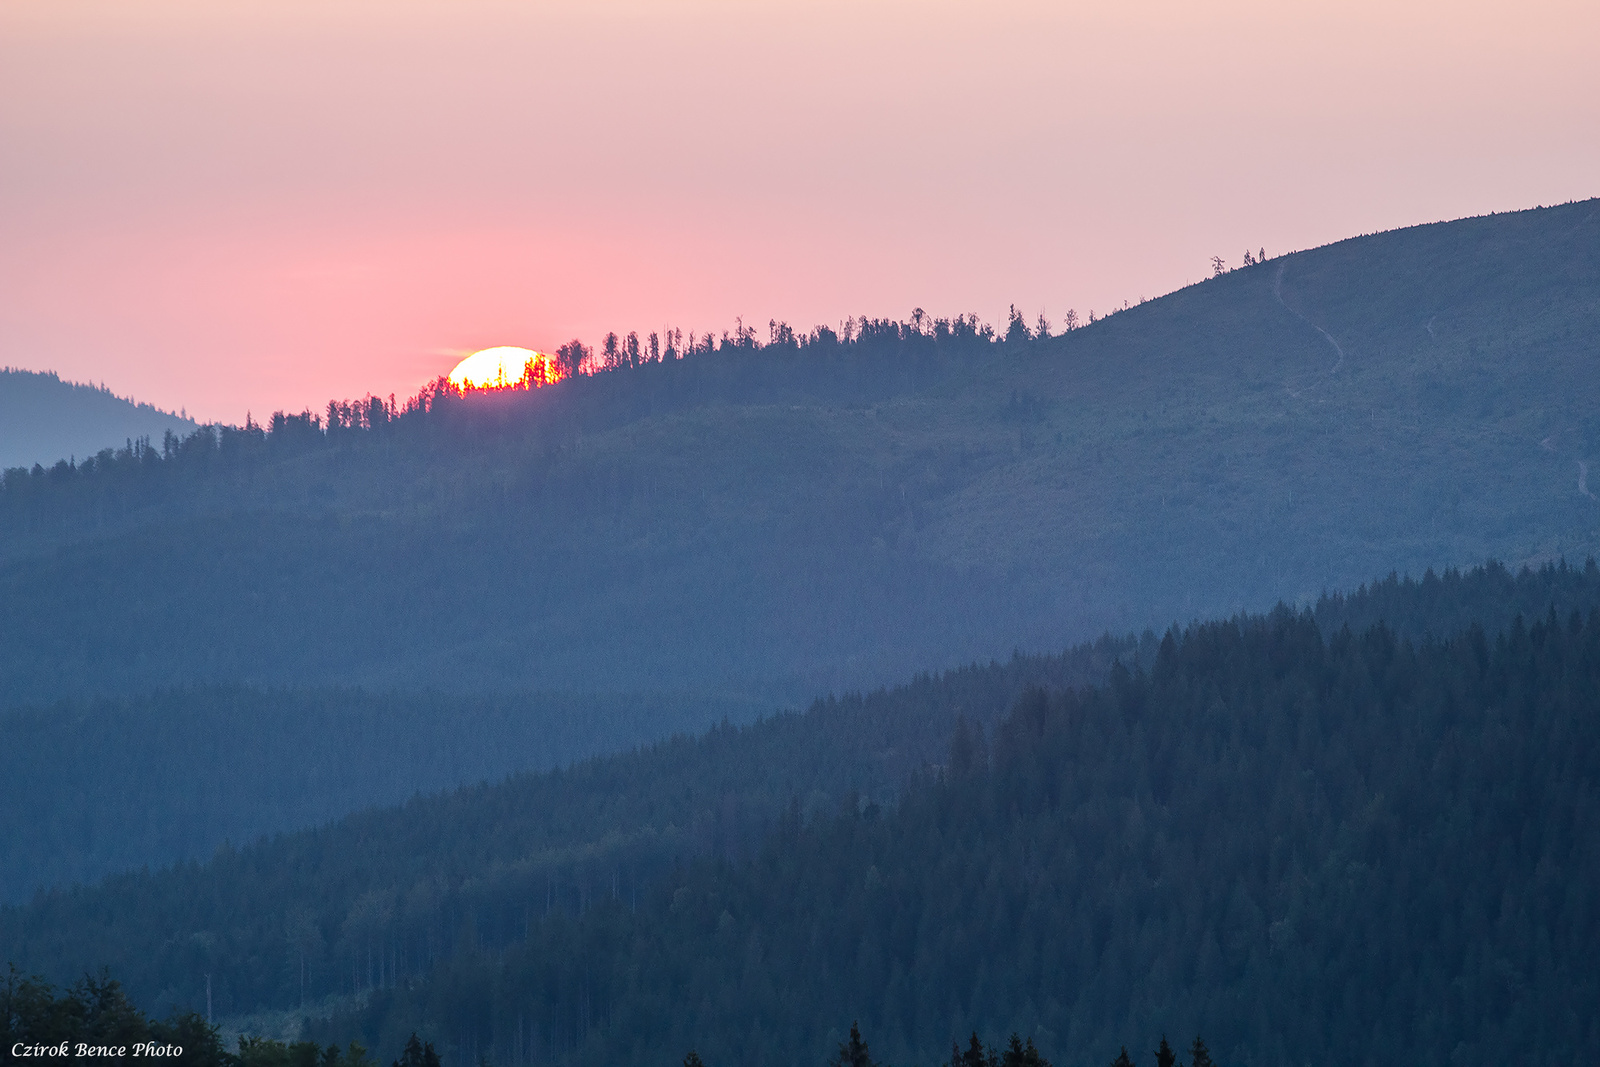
(506, 367)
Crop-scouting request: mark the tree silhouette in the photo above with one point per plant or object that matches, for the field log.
(973, 1057)
(571, 357)
(417, 1053)
(1017, 328)
(852, 1053)
(1019, 1055)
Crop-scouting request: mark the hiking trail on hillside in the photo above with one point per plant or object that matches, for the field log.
(1277, 292)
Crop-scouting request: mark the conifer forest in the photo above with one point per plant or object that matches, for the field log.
(1213, 682)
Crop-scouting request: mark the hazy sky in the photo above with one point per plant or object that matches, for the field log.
(251, 206)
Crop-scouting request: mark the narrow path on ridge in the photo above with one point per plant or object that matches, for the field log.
(1277, 293)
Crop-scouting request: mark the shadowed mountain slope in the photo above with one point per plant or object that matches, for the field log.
(44, 419)
(104, 786)
(605, 825)
(1302, 835)
(784, 518)
(1351, 850)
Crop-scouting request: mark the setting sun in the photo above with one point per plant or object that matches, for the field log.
(505, 367)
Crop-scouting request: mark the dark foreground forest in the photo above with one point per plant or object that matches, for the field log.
(1346, 851)
(1307, 841)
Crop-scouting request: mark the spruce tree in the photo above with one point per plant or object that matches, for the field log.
(1165, 1057)
(1122, 1059)
(417, 1053)
(1019, 1055)
(854, 1052)
(974, 1056)
(1199, 1055)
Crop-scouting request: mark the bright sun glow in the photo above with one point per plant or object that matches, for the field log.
(505, 367)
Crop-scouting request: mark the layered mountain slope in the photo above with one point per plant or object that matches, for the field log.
(104, 786)
(44, 419)
(1305, 840)
(786, 518)
(397, 882)
(1348, 851)
(609, 825)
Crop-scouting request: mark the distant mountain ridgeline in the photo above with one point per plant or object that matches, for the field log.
(865, 362)
(836, 510)
(104, 786)
(1294, 835)
(44, 420)
(561, 835)
(485, 526)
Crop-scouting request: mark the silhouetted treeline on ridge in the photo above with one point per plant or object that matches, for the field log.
(780, 517)
(43, 418)
(915, 342)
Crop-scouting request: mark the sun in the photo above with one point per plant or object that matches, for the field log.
(505, 367)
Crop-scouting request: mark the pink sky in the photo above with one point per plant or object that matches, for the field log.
(254, 206)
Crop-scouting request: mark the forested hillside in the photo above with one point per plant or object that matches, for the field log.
(1351, 827)
(97, 787)
(845, 507)
(1351, 851)
(44, 420)
(305, 915)
(1358, 829)
(101, 786)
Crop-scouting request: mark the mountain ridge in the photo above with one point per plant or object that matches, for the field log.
(827, 512)
(45, 419)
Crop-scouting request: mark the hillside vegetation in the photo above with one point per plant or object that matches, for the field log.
(113, 784)
(97, 787)
(1306, 837)
(44, 420)
(832, 511)
(1350, 851)
(313, 913)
